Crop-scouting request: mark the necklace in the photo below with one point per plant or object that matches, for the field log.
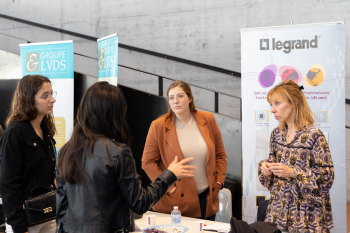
(289, 134)
(39, 129)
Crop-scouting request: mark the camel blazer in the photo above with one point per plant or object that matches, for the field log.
(162, 146)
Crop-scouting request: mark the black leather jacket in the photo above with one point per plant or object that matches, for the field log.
(27, 163)
(101, 202)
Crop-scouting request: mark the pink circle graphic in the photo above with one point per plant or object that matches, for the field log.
(290, 73)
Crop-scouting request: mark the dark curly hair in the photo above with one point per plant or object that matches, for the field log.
(23, 102)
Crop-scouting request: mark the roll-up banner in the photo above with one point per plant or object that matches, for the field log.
(108, 59)
(313, 56)
(54, 60)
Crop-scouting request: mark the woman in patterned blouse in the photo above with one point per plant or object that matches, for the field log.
(299, 171)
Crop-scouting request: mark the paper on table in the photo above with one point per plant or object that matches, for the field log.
(219, 227)
(137, 228)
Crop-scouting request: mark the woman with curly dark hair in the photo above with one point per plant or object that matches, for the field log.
(299, 171)
(27, 151)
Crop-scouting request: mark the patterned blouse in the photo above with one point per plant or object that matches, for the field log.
(300, 204)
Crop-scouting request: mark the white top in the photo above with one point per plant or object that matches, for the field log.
(192, 144)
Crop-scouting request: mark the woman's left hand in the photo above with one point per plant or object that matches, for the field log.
(281, 170)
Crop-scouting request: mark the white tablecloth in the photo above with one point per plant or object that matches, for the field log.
(163, 219)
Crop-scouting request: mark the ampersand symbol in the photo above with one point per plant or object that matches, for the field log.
(102, 58)
(30, 62)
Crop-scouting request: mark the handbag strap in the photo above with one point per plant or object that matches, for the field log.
(53, 148)
(31, 191)
(55, 154)
(27, 137)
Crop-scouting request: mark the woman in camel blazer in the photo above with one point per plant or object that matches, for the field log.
(186, 132)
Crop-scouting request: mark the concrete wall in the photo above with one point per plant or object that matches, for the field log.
(199, 30)
(10, 65)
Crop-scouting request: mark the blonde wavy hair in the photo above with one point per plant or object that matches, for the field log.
(289, 92)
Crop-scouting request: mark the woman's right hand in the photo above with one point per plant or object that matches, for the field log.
(265, 169)
(181, 169)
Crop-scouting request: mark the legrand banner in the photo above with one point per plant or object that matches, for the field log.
(54, 60)
(313, 56)
(108, 59)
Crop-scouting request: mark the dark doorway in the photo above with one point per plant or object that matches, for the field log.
(7, 88)
(143, 108)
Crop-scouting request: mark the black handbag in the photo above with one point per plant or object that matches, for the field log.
(41, 208)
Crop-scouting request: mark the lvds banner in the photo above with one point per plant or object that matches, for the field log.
(313, 56)
(54, 60)
(108, 59)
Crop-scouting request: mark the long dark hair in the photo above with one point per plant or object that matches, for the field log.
(101, 113)
(23, 102)
(187, 89)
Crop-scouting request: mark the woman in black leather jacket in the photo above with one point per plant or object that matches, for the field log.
(97, 184)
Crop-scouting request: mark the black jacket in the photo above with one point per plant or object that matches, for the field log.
(101, 202)
(239, 226)
(26, 162)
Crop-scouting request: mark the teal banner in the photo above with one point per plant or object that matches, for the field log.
(48, 59)
(108, 59)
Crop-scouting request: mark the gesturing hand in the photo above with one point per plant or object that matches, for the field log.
(281, 170)
(265, 169)
(181, 169)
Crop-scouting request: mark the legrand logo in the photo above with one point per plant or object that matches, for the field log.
(288, 45)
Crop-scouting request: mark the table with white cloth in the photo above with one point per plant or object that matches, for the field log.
(165, 219)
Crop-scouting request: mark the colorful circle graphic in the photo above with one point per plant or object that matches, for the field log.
(315, 77)
(267, 76)
(290, 73)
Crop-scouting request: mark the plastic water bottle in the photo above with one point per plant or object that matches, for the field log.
(175, 216)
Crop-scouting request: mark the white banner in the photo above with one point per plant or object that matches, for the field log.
(313, 56)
